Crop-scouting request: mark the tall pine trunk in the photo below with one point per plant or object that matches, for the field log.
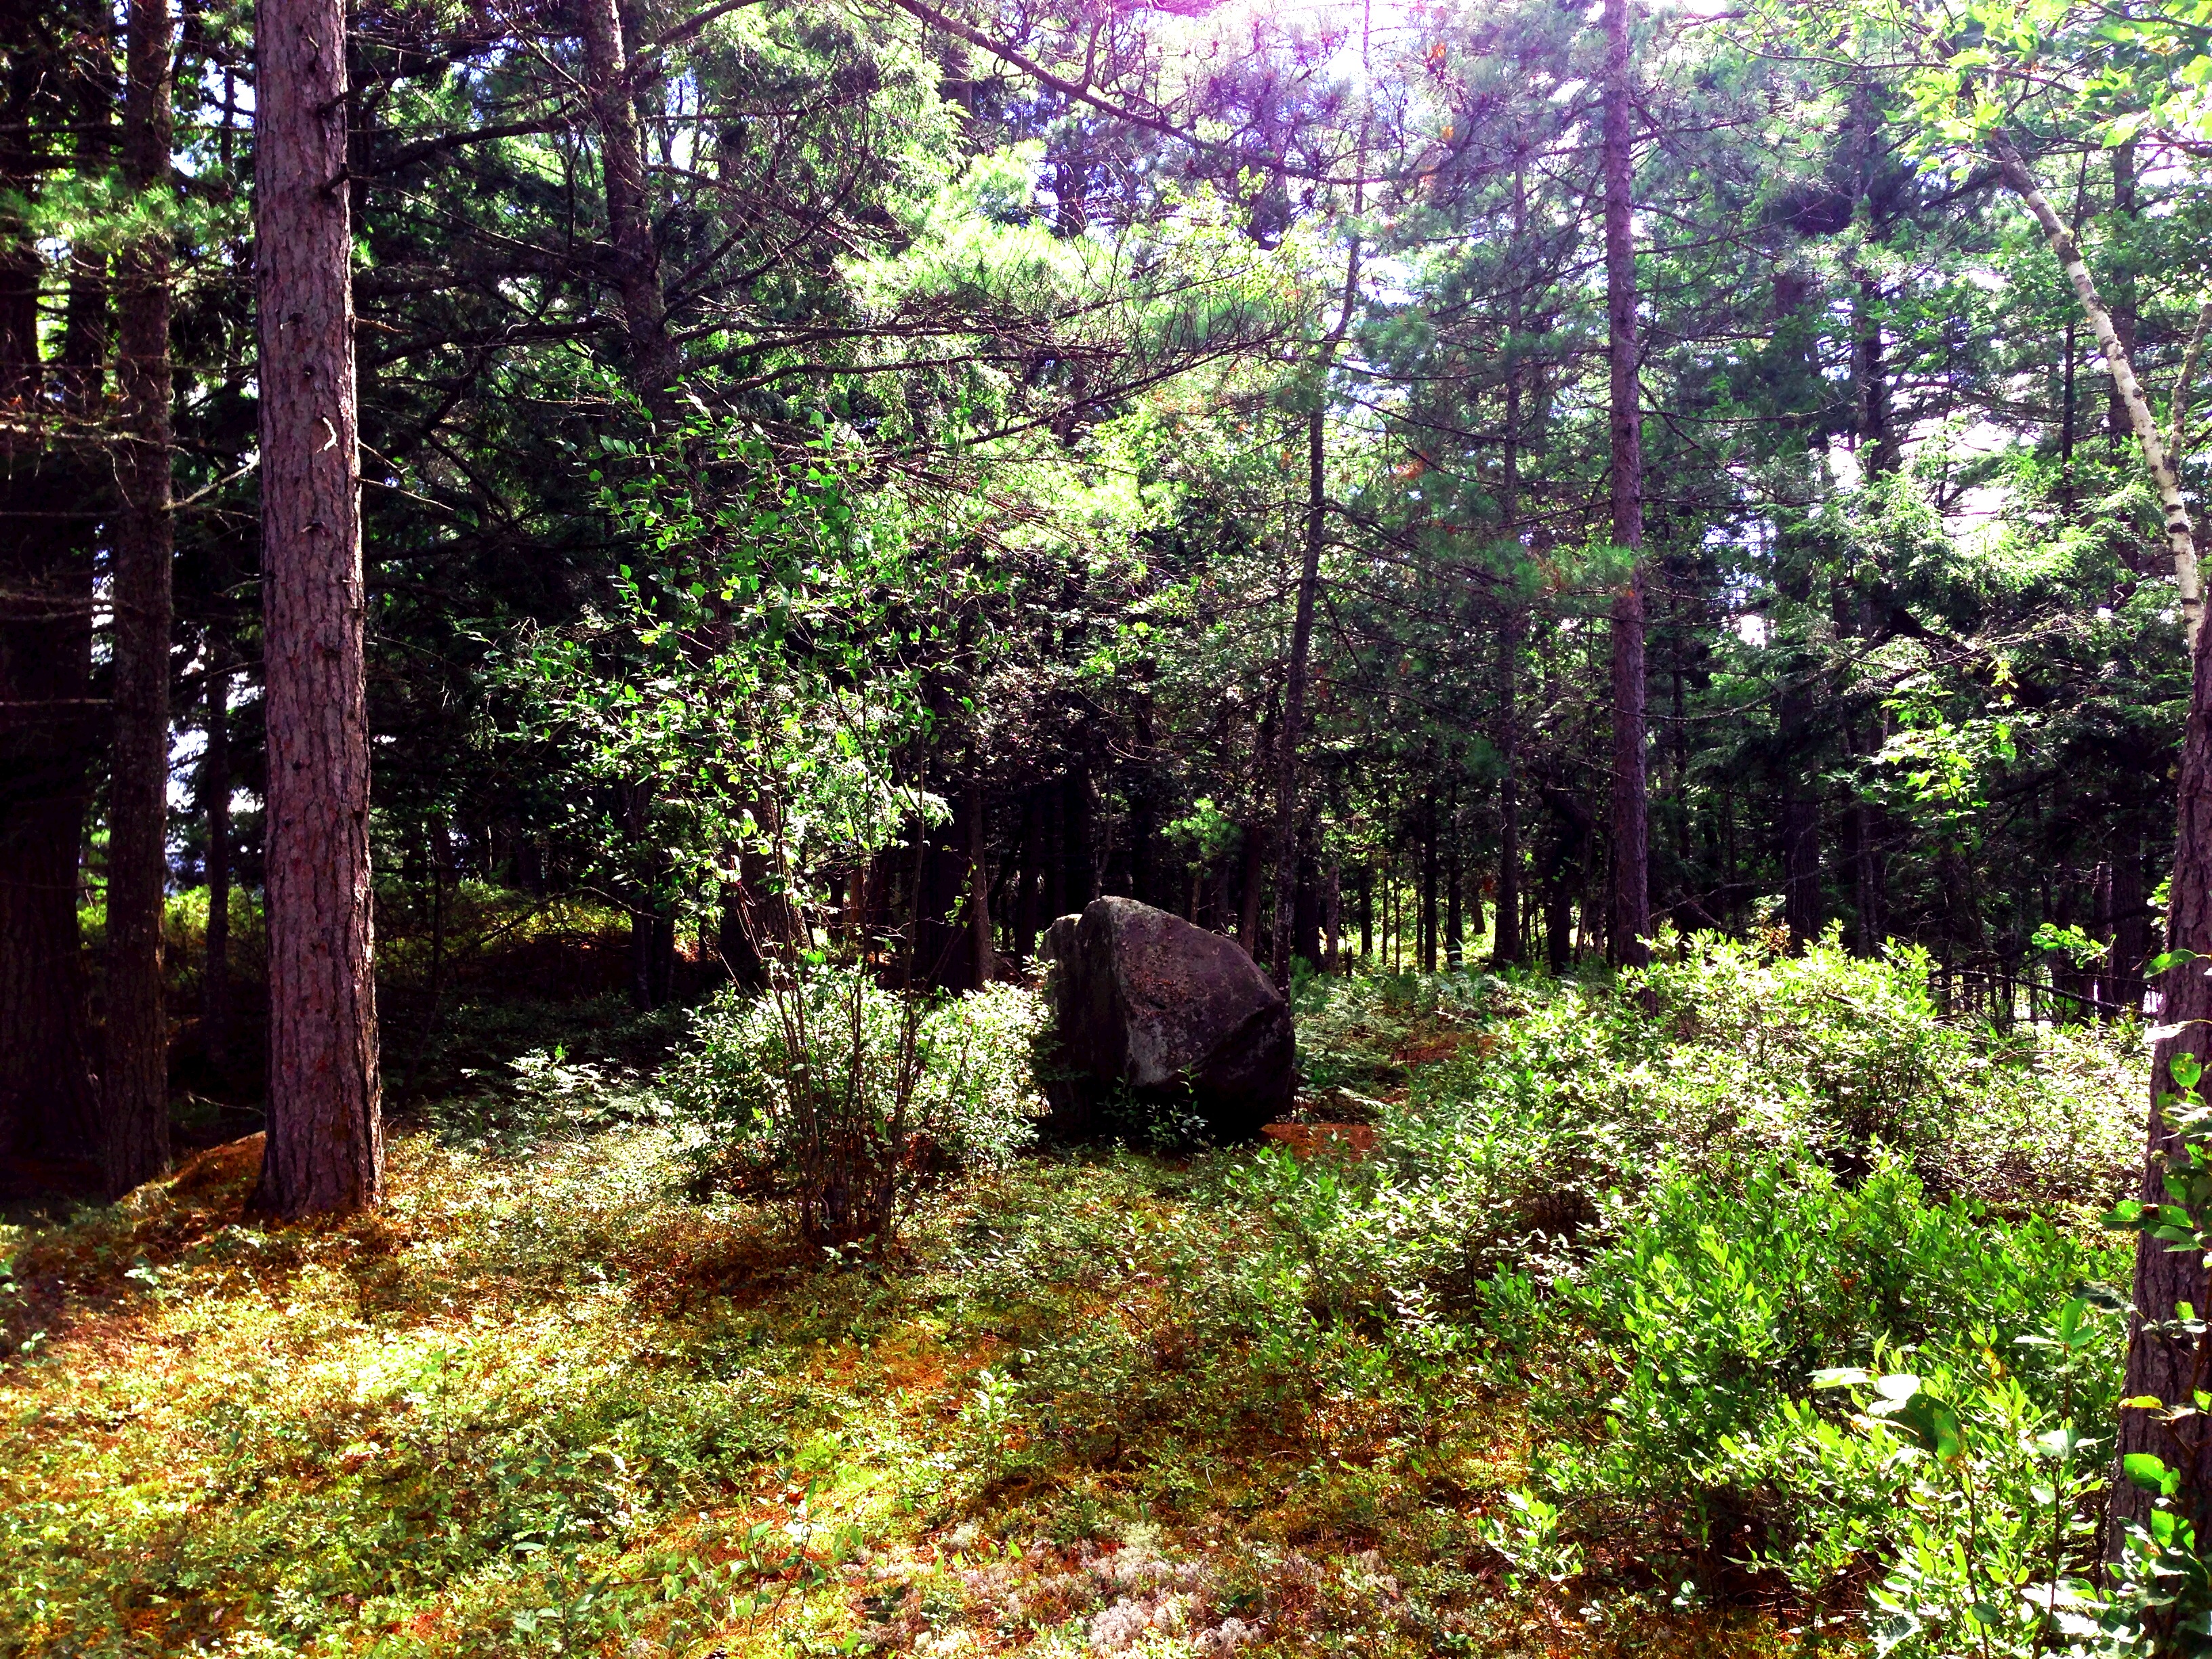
(51, 496)
(325, 1147)
(1506, 949)
(1294, 688)
(983, 962)
(1632, 894)
(1294, 676)
(215, 802)
(135, 1079)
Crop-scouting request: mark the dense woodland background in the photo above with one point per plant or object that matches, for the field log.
(1464, 499)
(1019, 394)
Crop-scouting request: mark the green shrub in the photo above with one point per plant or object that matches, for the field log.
(1711, 1311)
(1660, 1204)
(839, 1097)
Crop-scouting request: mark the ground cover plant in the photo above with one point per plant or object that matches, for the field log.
(1568, 1365)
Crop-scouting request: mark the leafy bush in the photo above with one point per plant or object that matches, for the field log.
(1714, 1309)
(1660, 1204)
(838, 1096)
(1527, 1104)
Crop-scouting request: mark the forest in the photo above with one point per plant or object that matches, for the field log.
(1154, 827)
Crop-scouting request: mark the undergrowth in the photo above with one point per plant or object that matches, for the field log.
(1536, 1378)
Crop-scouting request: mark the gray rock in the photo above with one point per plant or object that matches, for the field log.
(1143, 999)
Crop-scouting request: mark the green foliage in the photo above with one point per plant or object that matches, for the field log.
(1723, 1295)
(838, 1080)
(1663, 1204)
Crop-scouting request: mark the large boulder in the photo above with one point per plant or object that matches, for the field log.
(1143, 1001)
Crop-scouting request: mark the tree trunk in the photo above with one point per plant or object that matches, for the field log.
(741, 957)
(2166, 1370)
(663, 965)
(1082, 868)
(1254, 888)
(1453, 912)
(1031, 878)
(1505, 950)
(2180, 537)
(1866, 874)
(215, 802)
(653, 356)
(985, 964)
(325, 1146)
(2162, 1278)
(1294, 686)
(1632, 893)
(1332, 918)
(1879, 453)
(1428, 917)
(2130, 923)
(48, 732)
(135, 1077)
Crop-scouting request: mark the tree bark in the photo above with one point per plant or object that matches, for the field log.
(215, 802)
(1427, 923)
(135, 1092)
(2130, 922)
(2161, 1277)
(2180, 537)
(1332, 918)
(325, 1139)
(1631, 888)
(985, 963)
(1454, 915)
(2164, 1277)
(1294, 686)
(49, 732)
(1506, 949)
(1294, 676)
(653, 356)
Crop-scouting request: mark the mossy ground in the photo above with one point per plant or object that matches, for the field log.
(541, 1402)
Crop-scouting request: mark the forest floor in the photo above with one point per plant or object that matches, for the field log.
(538, 1404)
(544, 1401)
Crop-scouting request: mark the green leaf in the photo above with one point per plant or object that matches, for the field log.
(2148, 1471)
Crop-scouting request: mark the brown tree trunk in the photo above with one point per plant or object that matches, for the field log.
(215, 801)
(1866, 872)
(52, 494)
(1454, 915)
(2162, 1278)
(2168, 1369)
(1075, 830)
(1294, 690)
(1505, 953)
(326, 1148)
(135, 1077)
(2131, 922)
(1631, 891)
(1031, 878)
(985, 963)
(1428, 917)
(1254, 888)
(654, 357)
(1332, 918)
(1506, 949)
